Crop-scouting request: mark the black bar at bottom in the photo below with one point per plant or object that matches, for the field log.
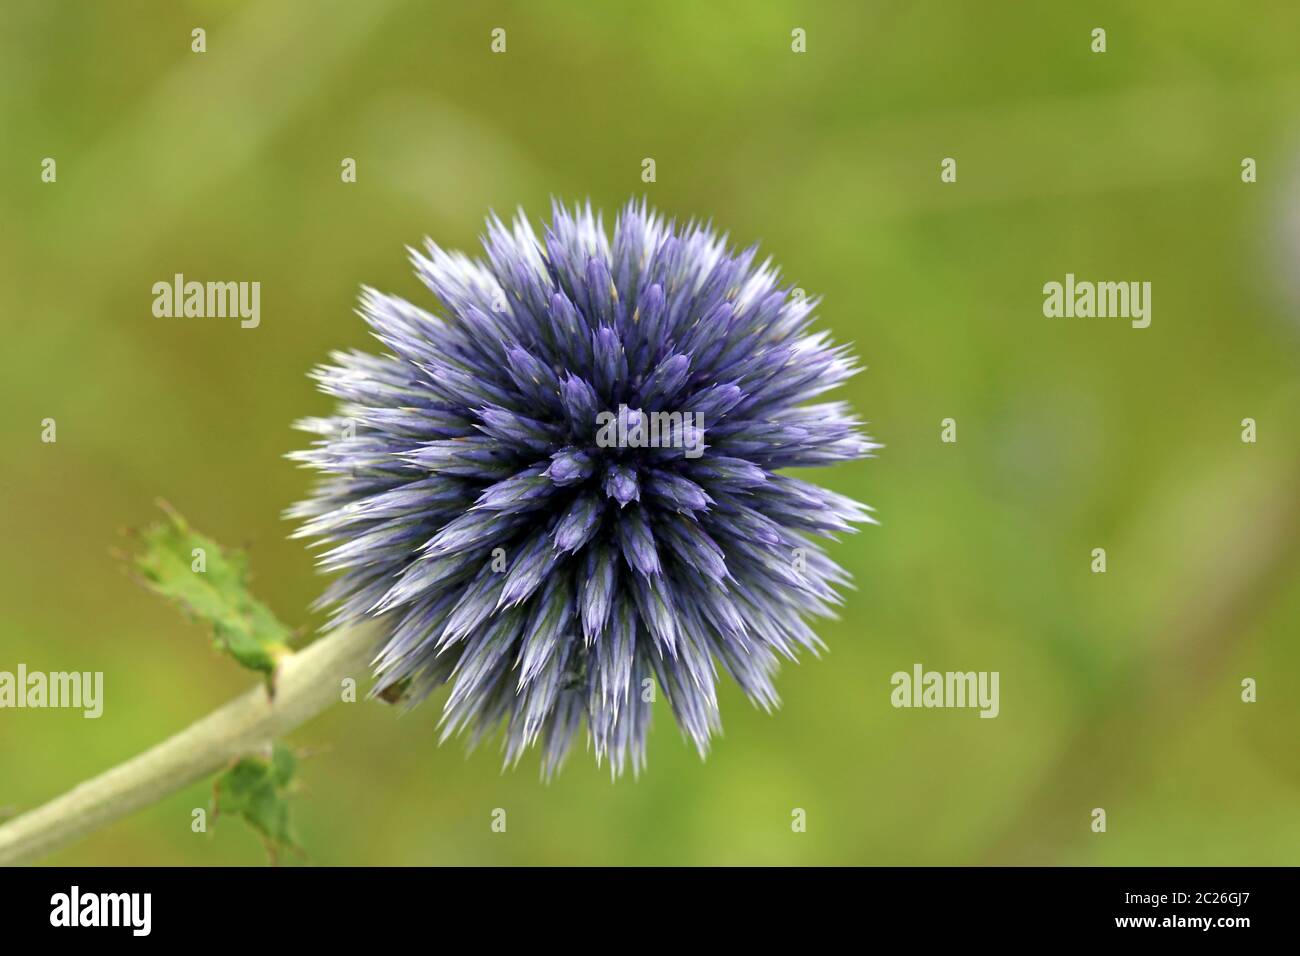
(379, 907)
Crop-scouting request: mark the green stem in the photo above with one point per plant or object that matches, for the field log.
(307, 682)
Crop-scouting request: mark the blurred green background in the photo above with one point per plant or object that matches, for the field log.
(1119, 690)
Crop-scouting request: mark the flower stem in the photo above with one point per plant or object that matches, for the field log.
(307, 682)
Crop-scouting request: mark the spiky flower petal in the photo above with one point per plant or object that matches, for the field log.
(496, 489)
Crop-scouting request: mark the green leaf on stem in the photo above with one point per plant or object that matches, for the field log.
(210, 584)
(256, 789)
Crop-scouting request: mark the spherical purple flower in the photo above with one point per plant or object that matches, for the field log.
(567, 489)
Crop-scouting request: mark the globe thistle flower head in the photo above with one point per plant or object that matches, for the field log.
(564, 491)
